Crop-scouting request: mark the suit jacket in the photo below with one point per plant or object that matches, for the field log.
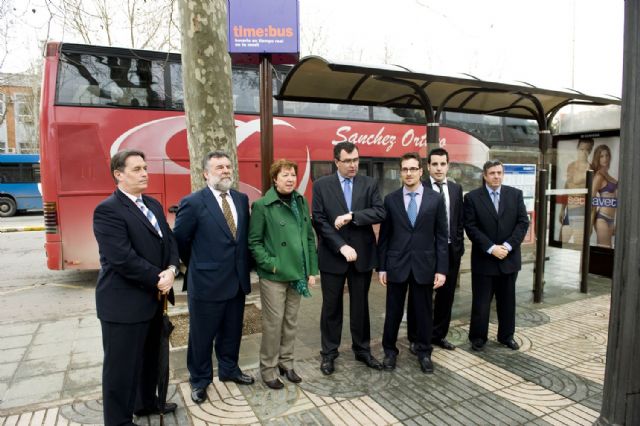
(132, 254)
(217, 264)
(486, 227)
(456, 217)
(367, 207)
(421, 249)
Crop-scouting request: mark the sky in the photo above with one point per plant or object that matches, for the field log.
(553, 44)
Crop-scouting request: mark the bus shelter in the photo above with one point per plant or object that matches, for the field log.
(315, 79)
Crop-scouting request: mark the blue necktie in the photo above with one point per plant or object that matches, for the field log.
(347, 193)
(496, 200)
(149, 214)
(412, 209)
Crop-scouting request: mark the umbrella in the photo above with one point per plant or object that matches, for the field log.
(163, 359)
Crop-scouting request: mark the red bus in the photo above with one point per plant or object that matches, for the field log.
(98, 100)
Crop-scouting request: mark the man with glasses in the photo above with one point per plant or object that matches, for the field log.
(438, 166)
(496, 222)
(413, 255)
(345, 206)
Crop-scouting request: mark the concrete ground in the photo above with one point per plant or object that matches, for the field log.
(50, 371)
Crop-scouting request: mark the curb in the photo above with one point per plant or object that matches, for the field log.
(22, 228)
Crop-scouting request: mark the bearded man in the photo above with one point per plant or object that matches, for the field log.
(211, 230)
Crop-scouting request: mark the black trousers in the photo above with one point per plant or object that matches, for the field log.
(442, 304)
(332, 311)
(483, 288)
(130, 368)
(219, 322)
(420, 297)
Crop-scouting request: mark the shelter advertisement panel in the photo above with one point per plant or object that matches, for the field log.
(598, 151)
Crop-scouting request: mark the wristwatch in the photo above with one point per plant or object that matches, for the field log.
(173, 269)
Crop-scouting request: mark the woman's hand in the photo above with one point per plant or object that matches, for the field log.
(311, 281)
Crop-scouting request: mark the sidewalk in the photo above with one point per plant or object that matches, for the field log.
(50, 372)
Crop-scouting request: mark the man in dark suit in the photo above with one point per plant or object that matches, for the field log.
(496, 222)
(438, 166)
(138, 259)
(212, 229)
(413, 254)
(345, 206)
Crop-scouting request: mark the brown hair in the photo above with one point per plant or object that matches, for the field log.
(119, 160)
(280, 164)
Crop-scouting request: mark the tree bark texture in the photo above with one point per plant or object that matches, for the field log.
(621, 395)
(206, 75)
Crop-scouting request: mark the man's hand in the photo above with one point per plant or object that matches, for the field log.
(439, 280)
(166, 281)
(382, 277)
(500, 252)
(343, 220)
(349, 253)
(311, 281)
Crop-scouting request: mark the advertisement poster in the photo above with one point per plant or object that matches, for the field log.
(575, 157)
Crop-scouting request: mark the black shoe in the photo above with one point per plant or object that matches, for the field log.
(370, 361)
(477, 345)
(290, 374)
(444, 344)
(240, 378)
(412, 348)
(426, 365)
(198, 395)
(389, 362)
(511, 344)
(326, 366)
(169, 407)
(274, 384)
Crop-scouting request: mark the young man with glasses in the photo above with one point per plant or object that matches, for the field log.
(496, 222)
(413, 255)
(345, 206)
(438, 166)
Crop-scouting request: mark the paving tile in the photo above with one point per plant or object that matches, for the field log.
(49, 350)
(84, 377)
(7, 371)
(12, 355)
(43, 366)
(86, 359)
(18, 329)
(44, 384)
(15, 342)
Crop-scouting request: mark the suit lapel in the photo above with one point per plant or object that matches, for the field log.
(502, 204)
(339, 194)
(423, 204)
(398, 200)
(488, 202)
(240, 212)
(214, 208)
(135, 210)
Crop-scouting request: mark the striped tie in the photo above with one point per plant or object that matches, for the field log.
(228, 216)
(149, 214)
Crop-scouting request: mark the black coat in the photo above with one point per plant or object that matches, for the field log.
(328, 203)
(421, 249)
(486, 227)
(132, 254)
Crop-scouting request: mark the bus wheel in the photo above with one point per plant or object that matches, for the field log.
(7, 207)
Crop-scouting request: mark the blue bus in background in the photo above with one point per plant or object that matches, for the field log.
(19, 183)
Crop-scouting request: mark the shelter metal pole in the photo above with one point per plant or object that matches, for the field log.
(433, 136)
(266, 120)
(586, 236)
(541, 232)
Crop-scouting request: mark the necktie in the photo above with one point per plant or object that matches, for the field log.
(228, 216)
(149, 215)
(496, 200)
(412, 209)
(439, 185)
(347, 193)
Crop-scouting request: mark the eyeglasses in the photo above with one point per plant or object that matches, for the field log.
(350, 161)
(406, 170)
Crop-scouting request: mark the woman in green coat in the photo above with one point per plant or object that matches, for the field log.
(284, 246)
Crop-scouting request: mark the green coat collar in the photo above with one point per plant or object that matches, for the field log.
(272, 196)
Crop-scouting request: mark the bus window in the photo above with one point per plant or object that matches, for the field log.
(19, 178)
(321, 168)
(246, 90)
(399, 115)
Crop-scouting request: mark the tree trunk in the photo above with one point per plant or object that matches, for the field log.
(206, 75)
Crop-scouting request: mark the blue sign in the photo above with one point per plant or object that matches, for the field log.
(264, 27)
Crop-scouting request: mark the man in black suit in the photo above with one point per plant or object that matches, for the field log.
(212, 228)
(138, 259)
(438, 166)
(345, 206)
(413, 254)
(496, 222)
